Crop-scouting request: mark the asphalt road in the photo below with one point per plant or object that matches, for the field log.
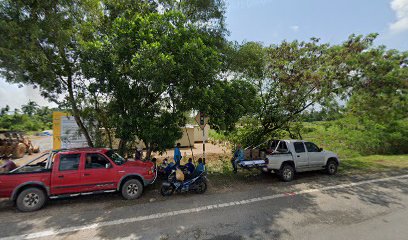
(312, 207)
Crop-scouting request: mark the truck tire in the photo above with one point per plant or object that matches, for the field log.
(132, 189)
(286, 173)
(19, 150)
(31, 199)
(331, 167)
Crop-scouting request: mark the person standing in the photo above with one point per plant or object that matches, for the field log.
(238, 157)
(177, 154)
(138, 154)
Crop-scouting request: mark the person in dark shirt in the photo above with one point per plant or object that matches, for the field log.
(190, 167)
(171, 166)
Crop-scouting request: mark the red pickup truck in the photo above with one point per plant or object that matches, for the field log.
(72, 172)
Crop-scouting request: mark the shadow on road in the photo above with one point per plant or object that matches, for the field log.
(85, 210)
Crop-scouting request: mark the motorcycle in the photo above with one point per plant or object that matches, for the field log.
(197, 184)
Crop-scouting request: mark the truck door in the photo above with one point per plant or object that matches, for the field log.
(66, 176)
(98, 173)
(300, 156)
(316, 158)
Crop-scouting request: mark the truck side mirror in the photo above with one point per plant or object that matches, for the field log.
(320, 149)
(108, 165)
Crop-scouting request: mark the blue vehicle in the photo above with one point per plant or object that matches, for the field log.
(197, 184)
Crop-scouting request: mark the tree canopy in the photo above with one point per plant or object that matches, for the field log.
(135, 69)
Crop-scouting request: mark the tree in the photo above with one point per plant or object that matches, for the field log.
(154, 65)
(379, 102)
(291, 77)
(39, 46)
(226, 102)
(30, 108)
(5, 110)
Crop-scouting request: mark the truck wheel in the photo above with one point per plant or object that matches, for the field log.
(30, 199)
(287, 173)
(132, 189)
(19, 150)
(331, 167)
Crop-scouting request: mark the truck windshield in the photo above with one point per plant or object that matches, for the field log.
(115, 157)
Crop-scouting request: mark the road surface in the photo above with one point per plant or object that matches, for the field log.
(314, 206)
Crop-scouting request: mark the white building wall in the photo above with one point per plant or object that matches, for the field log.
(198, 133)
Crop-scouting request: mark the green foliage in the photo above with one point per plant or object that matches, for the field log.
(324, 114)
(217, 136)
(36, 120)
(374, 163)
(152, 67)
(39, 40)
(352, 136)
(39, 46)
(291, 77)
(226, 102)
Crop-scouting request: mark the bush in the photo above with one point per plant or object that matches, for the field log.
(22, 122)
(352, 136)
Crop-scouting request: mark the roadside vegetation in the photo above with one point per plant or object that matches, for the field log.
(30, 118)
(139, 69)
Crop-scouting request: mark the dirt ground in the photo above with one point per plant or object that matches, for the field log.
(210, 150)
(213, 151)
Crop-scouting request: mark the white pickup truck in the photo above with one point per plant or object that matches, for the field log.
(286, 157)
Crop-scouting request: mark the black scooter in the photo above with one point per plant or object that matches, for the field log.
(197, 184)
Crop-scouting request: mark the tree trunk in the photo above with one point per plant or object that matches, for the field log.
(300, 135)
(148, 151)
(75, 112)
(122, 147)
(109, 136)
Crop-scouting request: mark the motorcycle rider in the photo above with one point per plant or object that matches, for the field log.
(190, 168)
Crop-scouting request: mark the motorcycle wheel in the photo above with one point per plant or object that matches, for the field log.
(201, 187)
(167, 190)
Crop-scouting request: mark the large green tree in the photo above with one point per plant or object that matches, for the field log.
(39, 45)
(153, 65)
(291, 77)
(378, 105)
(30, 108)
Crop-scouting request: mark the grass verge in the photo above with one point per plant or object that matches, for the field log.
(374, 163)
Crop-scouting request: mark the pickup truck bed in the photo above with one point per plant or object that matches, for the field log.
(257, 163)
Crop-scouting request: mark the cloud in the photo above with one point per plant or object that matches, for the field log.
(295, 28)
(12, 95)
(400, 7)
